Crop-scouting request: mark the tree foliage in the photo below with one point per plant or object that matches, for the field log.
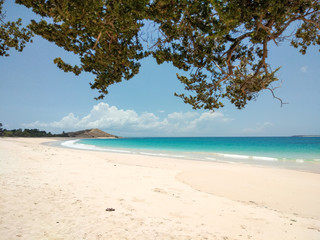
(28, 133)
(12, 34)
(1, 130)
(222, 45)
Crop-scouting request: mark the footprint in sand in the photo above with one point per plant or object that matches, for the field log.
(159, 190)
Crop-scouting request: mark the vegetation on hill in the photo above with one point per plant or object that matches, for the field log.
(28, 133)
(89, 133)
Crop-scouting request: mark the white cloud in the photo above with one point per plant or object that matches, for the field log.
(259, 128)
(304, 69)
(130, 123)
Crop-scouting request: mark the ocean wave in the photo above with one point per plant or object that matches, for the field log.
(233, 156)
(220, 160)
(265, 158)
(236, 156)
(75, 144)
(162, 155)
(154, 154)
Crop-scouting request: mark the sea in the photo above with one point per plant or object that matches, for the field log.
(298, 153)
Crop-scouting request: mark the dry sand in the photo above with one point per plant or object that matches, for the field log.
(57, 193)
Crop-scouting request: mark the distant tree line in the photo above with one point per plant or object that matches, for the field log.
(28, 133)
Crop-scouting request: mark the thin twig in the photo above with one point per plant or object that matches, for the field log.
(274, 96)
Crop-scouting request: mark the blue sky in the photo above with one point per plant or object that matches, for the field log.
(34, 93)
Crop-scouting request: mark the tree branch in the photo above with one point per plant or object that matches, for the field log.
(274, 96)
(232, 48)
(98, 38)
(311, 21)
(303, 18)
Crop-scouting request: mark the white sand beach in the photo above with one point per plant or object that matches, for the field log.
(56, 193)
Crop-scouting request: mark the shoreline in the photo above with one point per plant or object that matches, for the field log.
(218, 157)
(62, 193)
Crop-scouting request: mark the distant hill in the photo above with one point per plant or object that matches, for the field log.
(90, 133)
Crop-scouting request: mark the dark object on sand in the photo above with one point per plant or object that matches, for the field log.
(110, 209)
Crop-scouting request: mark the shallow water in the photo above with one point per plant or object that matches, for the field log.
(298, 153)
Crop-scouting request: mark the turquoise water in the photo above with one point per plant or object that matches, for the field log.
(290, 152)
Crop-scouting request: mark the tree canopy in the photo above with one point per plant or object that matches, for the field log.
(12, 35)
(221, 45)
(1, 129)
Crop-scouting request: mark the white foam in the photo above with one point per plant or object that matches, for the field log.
(212, 159)
(247, 157)
(161, 155)
(264, 158)
(234, 156)
(299, 160)
(75, 144)
(72, 144)
(153, 154)
(219, 160)
(115, 150)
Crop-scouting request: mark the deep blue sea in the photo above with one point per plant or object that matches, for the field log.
(301, 153)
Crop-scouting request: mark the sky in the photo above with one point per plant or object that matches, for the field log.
(34, 93)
